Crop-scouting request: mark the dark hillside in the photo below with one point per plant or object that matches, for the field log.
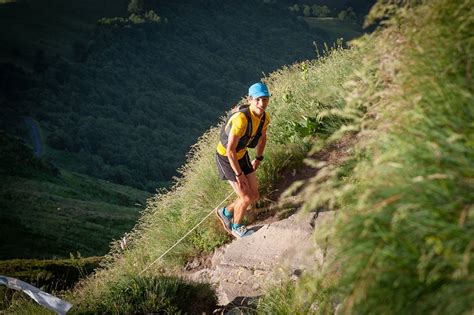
(53, 26)
(46, 213)
(125, 101)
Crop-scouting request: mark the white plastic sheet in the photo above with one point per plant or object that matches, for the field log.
(45, 299)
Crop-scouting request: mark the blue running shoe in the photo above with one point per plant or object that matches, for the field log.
(240, 231)
(225, 220)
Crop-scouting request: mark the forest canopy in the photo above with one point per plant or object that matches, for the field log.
(125, 102)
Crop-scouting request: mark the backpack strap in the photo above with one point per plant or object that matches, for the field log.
(260, 126)
(245, 109)
(254, 141)
(246, 140)
(249, 141)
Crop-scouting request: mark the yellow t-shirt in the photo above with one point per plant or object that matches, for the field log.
(239, 126)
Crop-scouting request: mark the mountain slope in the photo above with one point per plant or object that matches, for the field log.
(125, 102)
(117, 102)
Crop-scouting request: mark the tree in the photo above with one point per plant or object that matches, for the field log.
(307, 10)
(295, 8)
(348, 15)
(320, 11)
(152, 16)
(136, 19)
(136, 6)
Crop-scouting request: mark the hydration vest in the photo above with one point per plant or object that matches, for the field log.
(246, 141)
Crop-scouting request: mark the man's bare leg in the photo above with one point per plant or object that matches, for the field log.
(245, 198)
(231, 206)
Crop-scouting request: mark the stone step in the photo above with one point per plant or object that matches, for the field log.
(276, 251)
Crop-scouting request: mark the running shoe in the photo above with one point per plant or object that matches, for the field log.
(241, 231)
(225, 220)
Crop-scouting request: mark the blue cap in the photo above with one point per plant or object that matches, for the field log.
(258, 90)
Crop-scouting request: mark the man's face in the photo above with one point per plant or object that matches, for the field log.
(259, 104)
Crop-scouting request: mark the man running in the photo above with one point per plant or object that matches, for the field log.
(246, 127)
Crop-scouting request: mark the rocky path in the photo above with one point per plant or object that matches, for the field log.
(280, 249)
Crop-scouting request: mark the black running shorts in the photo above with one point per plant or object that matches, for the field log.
(225, 170)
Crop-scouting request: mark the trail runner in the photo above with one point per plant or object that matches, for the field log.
(244, 128)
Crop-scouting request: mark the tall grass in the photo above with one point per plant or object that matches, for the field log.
(413, 234)
(164, 295)
(404, 237)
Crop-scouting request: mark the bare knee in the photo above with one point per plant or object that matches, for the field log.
(246, 199)
(255, 196)
(250, 197)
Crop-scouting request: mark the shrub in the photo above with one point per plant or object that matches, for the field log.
(135, 294)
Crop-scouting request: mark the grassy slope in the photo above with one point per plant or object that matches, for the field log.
(170, 215)
(48, 216)
(23, 235)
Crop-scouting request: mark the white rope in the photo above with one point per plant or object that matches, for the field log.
(182, 238)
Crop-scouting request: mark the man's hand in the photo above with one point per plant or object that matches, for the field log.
(255, 164)
(242, 182)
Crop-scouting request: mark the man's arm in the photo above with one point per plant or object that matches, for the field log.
(234, 163)
(260, 148)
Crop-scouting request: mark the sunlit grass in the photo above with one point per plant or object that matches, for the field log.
(403, 239)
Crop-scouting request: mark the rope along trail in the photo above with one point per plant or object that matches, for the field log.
(189, 232)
